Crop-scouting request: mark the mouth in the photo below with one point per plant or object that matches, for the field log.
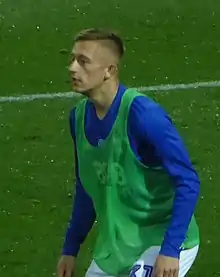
(75, 80)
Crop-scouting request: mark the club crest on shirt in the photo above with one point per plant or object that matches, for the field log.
(100, 142)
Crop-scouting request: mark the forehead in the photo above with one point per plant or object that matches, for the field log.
(93, 50)
(89, 49)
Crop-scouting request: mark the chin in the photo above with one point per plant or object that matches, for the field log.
(80, 90)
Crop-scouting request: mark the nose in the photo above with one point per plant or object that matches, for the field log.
(73, 66)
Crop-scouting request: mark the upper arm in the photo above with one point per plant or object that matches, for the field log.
(155, 127)
(72, 131)
(150, 122)
(72, 123)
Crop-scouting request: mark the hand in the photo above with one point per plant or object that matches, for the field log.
(166, 267)
(66, 266)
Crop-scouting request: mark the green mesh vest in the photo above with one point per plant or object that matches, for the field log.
(133, 203)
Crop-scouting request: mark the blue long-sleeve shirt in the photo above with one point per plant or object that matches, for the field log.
(155, 142)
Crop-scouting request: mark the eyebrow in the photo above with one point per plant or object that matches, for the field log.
(73, 54)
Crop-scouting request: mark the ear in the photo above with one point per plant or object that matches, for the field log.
(110, 71)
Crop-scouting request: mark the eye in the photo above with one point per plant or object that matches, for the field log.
(82, 61)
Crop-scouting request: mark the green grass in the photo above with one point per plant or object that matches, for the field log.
(167, 42)
(36, 168)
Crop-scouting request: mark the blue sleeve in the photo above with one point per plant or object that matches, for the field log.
(83, 213)
(151, 123)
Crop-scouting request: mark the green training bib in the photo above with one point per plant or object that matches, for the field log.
(133, 202)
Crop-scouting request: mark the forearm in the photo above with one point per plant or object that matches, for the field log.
(83, 217)
(185, 201)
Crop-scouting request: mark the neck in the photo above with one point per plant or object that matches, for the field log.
(103, 97)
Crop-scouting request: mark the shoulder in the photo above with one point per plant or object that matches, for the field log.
(78, 109)
(76, 115)
(154, 125)
(145, 109)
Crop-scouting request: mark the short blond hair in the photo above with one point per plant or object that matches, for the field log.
(109, 38)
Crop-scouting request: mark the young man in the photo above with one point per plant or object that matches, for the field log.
(133, 173)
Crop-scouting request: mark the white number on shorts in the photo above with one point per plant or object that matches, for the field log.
(147, 269)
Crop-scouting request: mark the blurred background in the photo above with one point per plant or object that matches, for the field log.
(167, 42)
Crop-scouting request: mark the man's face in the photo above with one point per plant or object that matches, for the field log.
(89, 66)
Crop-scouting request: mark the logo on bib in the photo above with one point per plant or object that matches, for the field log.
(112, 175)
(101, 171)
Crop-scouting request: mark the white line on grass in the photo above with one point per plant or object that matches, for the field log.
(168, 87)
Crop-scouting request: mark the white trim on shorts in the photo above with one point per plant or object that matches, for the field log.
(146, 262)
